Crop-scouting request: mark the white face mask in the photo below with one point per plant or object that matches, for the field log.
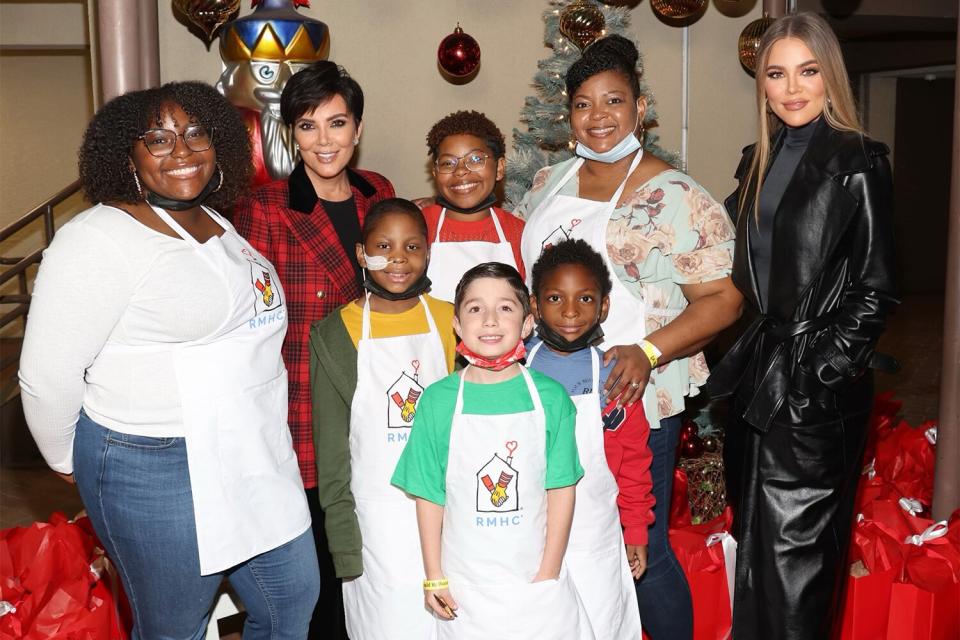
(621, 150)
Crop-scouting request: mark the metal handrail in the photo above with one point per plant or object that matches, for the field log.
(18, 265)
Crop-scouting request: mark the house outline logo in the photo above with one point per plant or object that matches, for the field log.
(497, 483)
(402, 398)
(558, 235)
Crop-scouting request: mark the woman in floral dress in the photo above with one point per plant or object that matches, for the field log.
(669, 245)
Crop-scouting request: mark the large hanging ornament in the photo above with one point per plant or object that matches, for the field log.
(208, 15)
(582, 23)
(458, 54)
(678, 10)
(749, 42)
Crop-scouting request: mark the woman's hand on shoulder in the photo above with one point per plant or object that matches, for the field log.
(629, 377)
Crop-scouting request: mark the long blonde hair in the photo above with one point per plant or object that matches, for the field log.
(839, 109)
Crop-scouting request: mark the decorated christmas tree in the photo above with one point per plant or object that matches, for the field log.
(548, 139)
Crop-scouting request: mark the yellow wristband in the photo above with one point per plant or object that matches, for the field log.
(653, 354)
(434, 585)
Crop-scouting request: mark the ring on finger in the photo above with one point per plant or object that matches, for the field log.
(635, 385)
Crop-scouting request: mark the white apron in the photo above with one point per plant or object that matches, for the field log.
(391, 375)
(494, 531)
(596, 555)
(247, 493)
(450, 260)
(560, 217)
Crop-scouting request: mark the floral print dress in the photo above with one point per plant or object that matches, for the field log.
(668, 232)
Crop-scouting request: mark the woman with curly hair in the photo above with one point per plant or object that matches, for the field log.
(152, 376)
(668, 245)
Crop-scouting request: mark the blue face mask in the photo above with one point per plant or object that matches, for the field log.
(620, 151)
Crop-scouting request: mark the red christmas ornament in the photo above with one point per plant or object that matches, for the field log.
(692, 448)
(688, 430)
(459, 54)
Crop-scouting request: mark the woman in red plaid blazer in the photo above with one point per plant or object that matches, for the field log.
(308, 225)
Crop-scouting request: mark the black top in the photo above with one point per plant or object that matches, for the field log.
(774, 184)
(343, 215)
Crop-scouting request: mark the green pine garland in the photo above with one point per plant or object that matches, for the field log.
(548, 139)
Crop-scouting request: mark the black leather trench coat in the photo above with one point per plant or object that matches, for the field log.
(801, 384)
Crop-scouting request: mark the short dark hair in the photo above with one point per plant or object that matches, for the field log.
(471, 123)
(321, 81)
(496, 270)
(108, 142)
(391, 205)
(576, 252)
(612, 53)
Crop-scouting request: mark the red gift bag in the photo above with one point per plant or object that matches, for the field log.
(919, 614)
(866, 594)
(925, 598)
(707, 554)
(905, 459)
(48, 576)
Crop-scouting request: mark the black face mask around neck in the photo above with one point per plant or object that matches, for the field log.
(486, 204)
(558, 343)
(171, 204)
(422, 284)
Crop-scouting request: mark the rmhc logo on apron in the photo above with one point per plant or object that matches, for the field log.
(266, 294)
(402, 398)
(497, 484)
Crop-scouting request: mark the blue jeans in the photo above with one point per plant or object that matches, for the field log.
(666, 611)
(136, 491)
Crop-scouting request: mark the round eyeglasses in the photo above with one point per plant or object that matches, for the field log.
(473, 161)
(162, 142)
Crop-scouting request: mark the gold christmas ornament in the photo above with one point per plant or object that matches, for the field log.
(749, 42)
(678, 10)
(208, 15)
(582, 23)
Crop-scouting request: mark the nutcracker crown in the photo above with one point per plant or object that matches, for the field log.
(275, 31)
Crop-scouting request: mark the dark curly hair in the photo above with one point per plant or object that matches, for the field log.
(109, 139)
(497, 271)
(572, 252)
(392, 205)
(471, 123)
(613, 53)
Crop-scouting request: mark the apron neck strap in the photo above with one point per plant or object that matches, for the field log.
(365, 324)
(623, 185)
(594, 364)
(579, 163)
(178, 229)
(531, 389)
(496, 225)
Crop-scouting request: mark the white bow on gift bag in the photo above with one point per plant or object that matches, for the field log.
(729, 559)
(934, 531)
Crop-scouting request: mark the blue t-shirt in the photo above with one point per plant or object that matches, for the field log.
(572, 370)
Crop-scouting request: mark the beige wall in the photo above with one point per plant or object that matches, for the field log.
(390, 46)
(45, 100)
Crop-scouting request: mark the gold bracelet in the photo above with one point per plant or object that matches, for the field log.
(435, 585)
(653, 354)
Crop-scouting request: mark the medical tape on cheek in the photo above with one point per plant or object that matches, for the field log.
(376, 263)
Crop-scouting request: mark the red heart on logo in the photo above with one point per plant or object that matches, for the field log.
(511, 446)
(575, 222)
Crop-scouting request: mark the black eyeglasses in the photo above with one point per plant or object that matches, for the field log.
(162, 142)
(473, 161)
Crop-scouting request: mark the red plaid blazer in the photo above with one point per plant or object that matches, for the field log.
(286, 223)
